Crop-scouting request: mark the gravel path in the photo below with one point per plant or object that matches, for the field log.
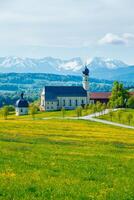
(92, 118)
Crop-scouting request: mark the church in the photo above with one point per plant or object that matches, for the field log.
(69, 97)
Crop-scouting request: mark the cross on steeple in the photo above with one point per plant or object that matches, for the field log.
(22, 94)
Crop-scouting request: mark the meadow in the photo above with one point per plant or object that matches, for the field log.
(49, 114)
(122, 117)
(65, 159)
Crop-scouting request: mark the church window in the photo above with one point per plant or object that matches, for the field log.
(64, 102)
(76, 102)
(58, 103)
(21, 110)
(70, 102)
(82, 102)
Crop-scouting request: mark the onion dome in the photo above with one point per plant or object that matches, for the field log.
(86, 71)
(22, 103)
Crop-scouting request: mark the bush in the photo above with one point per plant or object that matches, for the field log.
(129, 118)
(79, 111)
(5, 111)
(130, 102)
(63, 111)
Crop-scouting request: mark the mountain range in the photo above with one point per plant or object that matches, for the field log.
(100, 68)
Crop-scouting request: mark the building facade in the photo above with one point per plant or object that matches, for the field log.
(69, 97)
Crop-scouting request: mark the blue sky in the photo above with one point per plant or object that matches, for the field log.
(67, 28)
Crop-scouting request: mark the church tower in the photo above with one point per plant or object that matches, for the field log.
(42, 104)
(85, 81)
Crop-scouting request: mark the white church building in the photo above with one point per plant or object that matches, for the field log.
(69, 97)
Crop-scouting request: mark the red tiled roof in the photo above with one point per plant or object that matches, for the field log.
(131, 93)
(102, 95)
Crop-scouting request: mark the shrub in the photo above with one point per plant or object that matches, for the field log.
(5, 111)
(63, 111)
(130, 102)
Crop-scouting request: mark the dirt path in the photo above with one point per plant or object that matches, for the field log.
(92, 118)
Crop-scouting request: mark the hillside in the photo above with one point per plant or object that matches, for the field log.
(19, 81)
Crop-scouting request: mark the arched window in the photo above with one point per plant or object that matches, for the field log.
(64, 103)
(58, 103)
(70, 102)
(82, 102)
(76, 102)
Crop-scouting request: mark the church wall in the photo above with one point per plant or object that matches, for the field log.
(71, 102)
(50, 105)
(21, 111)
(66, 102)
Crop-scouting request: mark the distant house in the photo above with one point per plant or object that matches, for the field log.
(102, 97)
(69, 97)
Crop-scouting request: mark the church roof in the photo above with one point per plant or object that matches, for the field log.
(86, 71)
(52, 92)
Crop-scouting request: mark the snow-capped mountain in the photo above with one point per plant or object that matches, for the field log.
(110, 69)
(101, 63)
(100, 68)
(43, 65)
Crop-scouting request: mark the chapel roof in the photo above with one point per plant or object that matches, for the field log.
(22, 103)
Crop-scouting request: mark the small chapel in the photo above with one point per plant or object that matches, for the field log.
(69, 97)
(21, 106)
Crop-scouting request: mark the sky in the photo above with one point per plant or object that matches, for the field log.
(67, 28)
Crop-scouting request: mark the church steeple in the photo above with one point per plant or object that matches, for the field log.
(85, 81)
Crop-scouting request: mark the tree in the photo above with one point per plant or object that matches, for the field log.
(33, 110)
(94, 108)
(79, 111)
(103, 108)
(111, 115)
(130, 102)
(119, 95)
(129, 117)
(119, 115)
(98, 106)
(63, 111)
(86, 107)
(5, 111)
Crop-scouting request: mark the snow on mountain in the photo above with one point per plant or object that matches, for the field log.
(100, 68)
(73, 65)
(43, 65)
(99, 62)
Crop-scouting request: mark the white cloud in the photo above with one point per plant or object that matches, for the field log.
(114, 39)
(128, 36)
(63, 28)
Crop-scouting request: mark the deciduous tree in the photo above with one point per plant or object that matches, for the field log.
(5, 111)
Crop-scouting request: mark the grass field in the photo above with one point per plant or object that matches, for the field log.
(64, 159)
(123, 119)
(50, 114)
